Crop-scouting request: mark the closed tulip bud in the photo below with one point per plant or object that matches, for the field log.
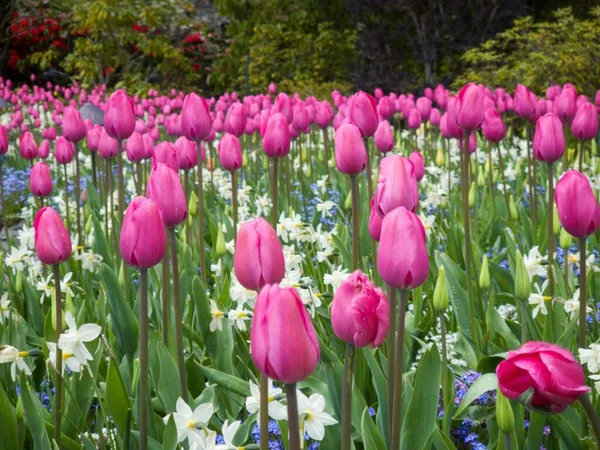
(258, 258)
(576, 203)
(187, 153)
(435, 117)
(196, 123)
(44, 149)
(220, 245)
(19, 282)
(396, 185)
(193, 205)
(585, 122)
(555, 222)
(52, 241)
(439, 157)
(414, 119)
(565, 239)
(73, 128)
(359, 312)
(481, 178)
(135, 148)
(419, 164)
(549, 139)
(3, 141)
(363, 113)
(64, 151)
(284, 343)
(27, 146)
(230, 153)
(450, 127)
(276, 136)
(522, 281)
(143, 238)
(504, 414)
(166, 153)
(164, 188)
(374, 221)
(440, 292)
(107, 146)
(283, 105)
(40, 180)
(348, 202)
(384, 137)
(119, 118)
(484, 275)
(402, 263)
(565, 105)
(93, 137)
(512, 208)
(235, 121)
(472, 192)
(493, 127)
(525, 103)
(470, 112)
(350, 153)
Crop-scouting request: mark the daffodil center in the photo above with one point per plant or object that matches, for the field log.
(66, 355)
(309, 416)
(191, 424)
(218, 313)
(573, 259)
(22, 354)
(546, 298)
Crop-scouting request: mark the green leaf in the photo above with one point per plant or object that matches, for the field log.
(380, 384)
(535, 434)
(117, 402)
(486, 382)
(370, 434)
(566, 432)
(442, 441)
(100, 243)
(170, 436)
(8, 424)
(166, 383)
(421, 416)
(34, 417)
(458, 296)
(226, 381)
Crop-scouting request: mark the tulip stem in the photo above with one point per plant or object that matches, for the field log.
(507, 441)
(491, 179)
(78, 197)
(530, 173)
(391, 352)
(369, 174)
(398, 372)
(166, 301)
(355, 223)
(4, 218)
(581, 150)
(464, 158)
(68, 218)
(58, 393)
(234, 203)
(347, 397)
(326, 147)
(121, 184)
(274, 191)
(592, 416)
(523, 322)
(501, 163)
(178, 315)
(445, 382)
(94, 174)
(582, 292)
(264, 411)
(201, 212)
(293, 422)
(551, 231)
(143, 405)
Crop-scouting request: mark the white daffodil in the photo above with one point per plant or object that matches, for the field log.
(533, 264)
(26, 236)
(9, 354)
(596, 379)
(188, 421)
(72, 341)
(572, 306)
(217, 315)
(538, 300)
(66, 284)
(336, 277)
(217, 268)
(17, 258)
(239, 316)
(591, 357)
(46, 287)
(428, 223)
(277, 411)
(228, 432)
(68, 359)
(4, 308)
(315, 419)
(322, 184)
(240, 294)
(90, 261)
(325, 208)
(590, 261)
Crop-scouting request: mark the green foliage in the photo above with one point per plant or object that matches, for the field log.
(563, 50)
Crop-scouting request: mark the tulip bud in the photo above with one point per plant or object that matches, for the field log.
(504, 414)
(481, 179)
(348, 202)
(350, 153)
(52, 241)
(578, 209)
(472, 192)
(119, 118)
(19, 410)
(19, 282)
(555, 222)
(522, 282)
(220, 245)
(193, 205)
(512, 208)
(196, 122)
(88, 225)
(565, 239)
(440, 293)
(121, 275)
(164, 188)
(439, 157)
(484, 275)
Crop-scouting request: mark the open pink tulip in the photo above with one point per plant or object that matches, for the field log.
(577, 208)
(52, 241)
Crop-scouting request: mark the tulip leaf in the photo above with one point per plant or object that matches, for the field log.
(458, 296)
(34, 416)
(565, 430)
(421, 416)
(8, 424)
(125, 325)
(226, 381)
(371, 438)
(535, 434)
(166, 382)
(486, 382)
(441, 441)
(345, 254)
(170, 436)
(93, 201)
(117, 401)
(34, 308)
(380, 384)
(100, 243)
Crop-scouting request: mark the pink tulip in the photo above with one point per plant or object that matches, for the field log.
(453, 129)
(196, 122)
(73, 127)
(374, 222)
(554, 375)
(435, 117)
(93, 137)
(107, 146)
(230, 153)
(164, 188)
(64, 150)
(40, 180)
(52, 241)
(143, 237)
(577, 208)
(44, 149)
(419, 164)
(525, 103)
(284, 343)
(470, 112)
(585, 122)
(27, 146)
(549, 139)
(493, 127)
(258, 258)
(350, 153)
(396, 185)
(414, 119)
(565, 105)
(135, 147)
(423, 104)
(276, 136)
(402, 263)
(272, 88)
(235, 121)
(283, 105)
(363, 113)
(324, 113)
(3, 141)
(166, 153)
(187, 153)
(359, 312)
(384, 137)
(385, 107)
(301, 120)
(119, 118)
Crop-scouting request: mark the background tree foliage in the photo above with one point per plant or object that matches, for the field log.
(564, 49)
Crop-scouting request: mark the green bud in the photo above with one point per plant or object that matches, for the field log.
(1, 262)
(308, 170)
(122, 275)
(440, 293)
(522, 282)
(480, 179)
(265, 164)
(20, 411)
(348, 204)
(512, 208)
(496, 175)
(244, 158)
(439, 157)
(472, 196)
(504, 414)
(193, 205)
(88, 225)
(19, 282)
(484, 275)
(220, 246)
(69, 304)
(565, 239)
(518, 166)
(303, 153)
(555, 221)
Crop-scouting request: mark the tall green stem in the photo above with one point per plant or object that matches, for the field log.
(491, 179)
(263, 412)
(178, 315)
(355, 223)
(143, 402)
(58, 386)
(94, 170)
(293, 422)
(234, 203)
(391, 352)
(504, 189)
(369, 171)
(582, 292)
(530, 173)
(274, 191)
(464, 158)
(445, 385)
(326, 148)
(551, 228)
(523, 322)
(347, 398)
(2, 205)
(78, 197)
(166, 298)
(68, 212)
(592, 416)
(121, 182)
(201, 212)
(399, 363)
(581, 150)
